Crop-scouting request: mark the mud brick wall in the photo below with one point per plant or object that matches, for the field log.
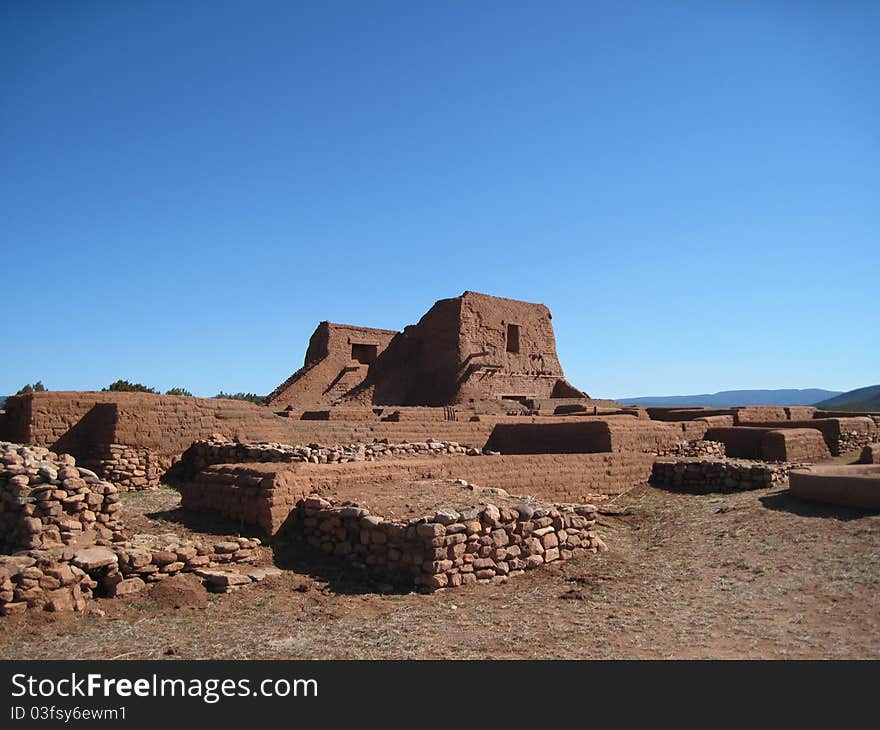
(583, 436)
(677, 413)
(840, 434)
(794, 444)
(745, 415)
(452, 547)
(702, 476)
(47, 501)
(264, 494)
(741, 442)
(800, 413)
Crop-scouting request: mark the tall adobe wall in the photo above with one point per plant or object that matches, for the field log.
(130, 438)
(470, 348)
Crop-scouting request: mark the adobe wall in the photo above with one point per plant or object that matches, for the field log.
(264, 494)
(462, 350)
(131, 437)
(330, 370)
(740, 442)
(583, 437)
(746, 415)
(679, 413)
(840, 434)
(771, 444)
(850, 486)
(794, 445)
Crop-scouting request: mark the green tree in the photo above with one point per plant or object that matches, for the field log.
(178, 391)
(123, 386)
(249, 397)
(37, 387)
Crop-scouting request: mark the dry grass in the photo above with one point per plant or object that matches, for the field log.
(755, 574)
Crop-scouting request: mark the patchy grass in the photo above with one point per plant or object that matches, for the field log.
(755, 574)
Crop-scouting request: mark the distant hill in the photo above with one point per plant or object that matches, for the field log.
(731, 398)
(860, 399)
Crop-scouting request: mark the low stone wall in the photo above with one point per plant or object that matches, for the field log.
(47, 501)
(130, 468)
(220, 450)
(64, 526)
(452, 547)
(702, 476)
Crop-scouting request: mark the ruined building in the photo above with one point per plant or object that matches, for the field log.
(465, 349)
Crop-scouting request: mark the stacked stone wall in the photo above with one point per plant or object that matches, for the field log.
(452, 547)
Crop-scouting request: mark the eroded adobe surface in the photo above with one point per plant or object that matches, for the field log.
(465, 349)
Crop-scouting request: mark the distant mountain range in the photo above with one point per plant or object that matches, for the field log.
(860, 399)
(731, 398)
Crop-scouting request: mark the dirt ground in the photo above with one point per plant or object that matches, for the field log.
(749, 575)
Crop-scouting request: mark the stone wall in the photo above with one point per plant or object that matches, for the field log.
(701, 476)
(695, 448)
(64, 526)
(452, 547)
(220, 450)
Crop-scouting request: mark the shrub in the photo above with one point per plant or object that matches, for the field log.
(123, 386)
(37, 387)
(179, 391)
(249, 397)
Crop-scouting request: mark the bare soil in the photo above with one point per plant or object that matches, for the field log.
(749, 575)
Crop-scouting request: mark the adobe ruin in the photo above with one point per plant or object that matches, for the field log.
(466, 349)
(452, 452)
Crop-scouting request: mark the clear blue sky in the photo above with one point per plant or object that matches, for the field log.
(188, 188)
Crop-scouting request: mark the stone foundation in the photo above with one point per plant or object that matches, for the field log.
(452, 547)
(695, 448)
(701, 476)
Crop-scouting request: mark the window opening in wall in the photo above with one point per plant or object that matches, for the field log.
(513, 338)
(364, 354)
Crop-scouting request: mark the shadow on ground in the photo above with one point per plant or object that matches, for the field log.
(785, 502)
(340, 576)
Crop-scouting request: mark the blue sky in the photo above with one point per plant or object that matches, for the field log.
(188, 188)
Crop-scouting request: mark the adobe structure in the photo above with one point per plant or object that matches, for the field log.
(466, 349)
(452, 452)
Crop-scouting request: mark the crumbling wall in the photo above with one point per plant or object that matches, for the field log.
(64, 526)
(334, 365)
